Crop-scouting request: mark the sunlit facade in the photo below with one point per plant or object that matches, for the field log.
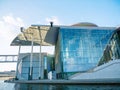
(78, 49)
(81, 49)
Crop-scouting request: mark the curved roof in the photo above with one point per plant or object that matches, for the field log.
(85, 24)
(39, 34)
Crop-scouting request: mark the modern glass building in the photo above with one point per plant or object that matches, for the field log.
(78, 48)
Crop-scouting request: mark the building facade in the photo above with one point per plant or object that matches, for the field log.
(35, 69)
(81, 49)
(78, 49)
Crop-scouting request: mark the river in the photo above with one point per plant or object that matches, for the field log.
(12, 86)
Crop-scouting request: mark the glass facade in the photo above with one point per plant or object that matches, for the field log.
(24, 66)
(40, 68)
(80, 49)
(112, 50)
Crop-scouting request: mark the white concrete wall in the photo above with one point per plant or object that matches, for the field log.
(110, 70)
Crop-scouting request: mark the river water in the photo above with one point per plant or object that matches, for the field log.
(12, 86)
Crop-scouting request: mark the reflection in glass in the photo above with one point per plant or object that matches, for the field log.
(80, 49)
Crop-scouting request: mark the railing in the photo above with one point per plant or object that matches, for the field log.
(8, 58)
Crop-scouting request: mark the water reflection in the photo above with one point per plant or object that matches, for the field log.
(12, 86)
(65, 87)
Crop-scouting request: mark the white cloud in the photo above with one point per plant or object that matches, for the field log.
(9, 26)
(13, 21)
(9, 29)
(53, 19)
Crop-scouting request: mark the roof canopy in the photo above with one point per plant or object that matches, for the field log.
(44, 35)
(41, 35)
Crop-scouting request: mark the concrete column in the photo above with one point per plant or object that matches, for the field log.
(40, 64)
(18, 63)
(31, 59)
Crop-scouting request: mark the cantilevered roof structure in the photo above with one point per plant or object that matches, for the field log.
(39, 34)
(45, 35)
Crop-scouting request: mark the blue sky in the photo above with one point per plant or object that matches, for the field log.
(17, 13)
(101, 12)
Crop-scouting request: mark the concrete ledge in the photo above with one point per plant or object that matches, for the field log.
(69, 82)
(108, 71)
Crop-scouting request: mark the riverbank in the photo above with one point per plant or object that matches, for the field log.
(6, 77)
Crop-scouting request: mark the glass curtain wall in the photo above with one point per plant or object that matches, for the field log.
(80, 49)
(112, 50)
(24, 66)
